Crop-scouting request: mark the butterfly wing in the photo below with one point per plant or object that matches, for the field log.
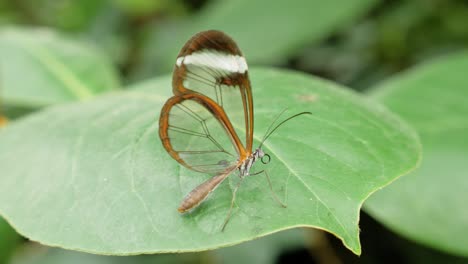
(212, 64)
(211, 88)
(195, 131)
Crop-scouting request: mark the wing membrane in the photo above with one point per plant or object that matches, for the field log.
(211, 64)
(196, 133)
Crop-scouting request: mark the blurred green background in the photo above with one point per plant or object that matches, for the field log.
(357, 43)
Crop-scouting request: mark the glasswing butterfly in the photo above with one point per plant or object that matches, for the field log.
(207, 126)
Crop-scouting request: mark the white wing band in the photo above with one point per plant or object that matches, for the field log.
(216, 60)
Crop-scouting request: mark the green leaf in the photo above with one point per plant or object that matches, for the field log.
(73, 15)
(260, 251)
(145, 7)
(40, 67)
(93, 176)
(265, 250)
(8, 242)
(266, 31)
(428, 205)
(37, 254)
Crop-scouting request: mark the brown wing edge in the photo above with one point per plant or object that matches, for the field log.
(211, 106)
(218, 40)
(210, 39)
(247, 101)
(246, 97)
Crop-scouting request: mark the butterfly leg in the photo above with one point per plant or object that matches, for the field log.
(271, 187)
(228, 216)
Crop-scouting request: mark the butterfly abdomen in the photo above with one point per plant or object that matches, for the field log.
(201, 192)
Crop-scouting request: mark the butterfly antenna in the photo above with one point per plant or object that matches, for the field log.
(272, 123)
(268, 134)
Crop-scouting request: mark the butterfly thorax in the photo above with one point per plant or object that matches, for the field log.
(244, 168)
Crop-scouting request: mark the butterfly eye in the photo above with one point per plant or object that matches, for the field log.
(266, 159)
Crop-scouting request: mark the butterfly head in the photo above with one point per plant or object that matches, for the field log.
(259, 154)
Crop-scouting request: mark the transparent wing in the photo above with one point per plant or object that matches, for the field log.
(212, 65)
(196, 132)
